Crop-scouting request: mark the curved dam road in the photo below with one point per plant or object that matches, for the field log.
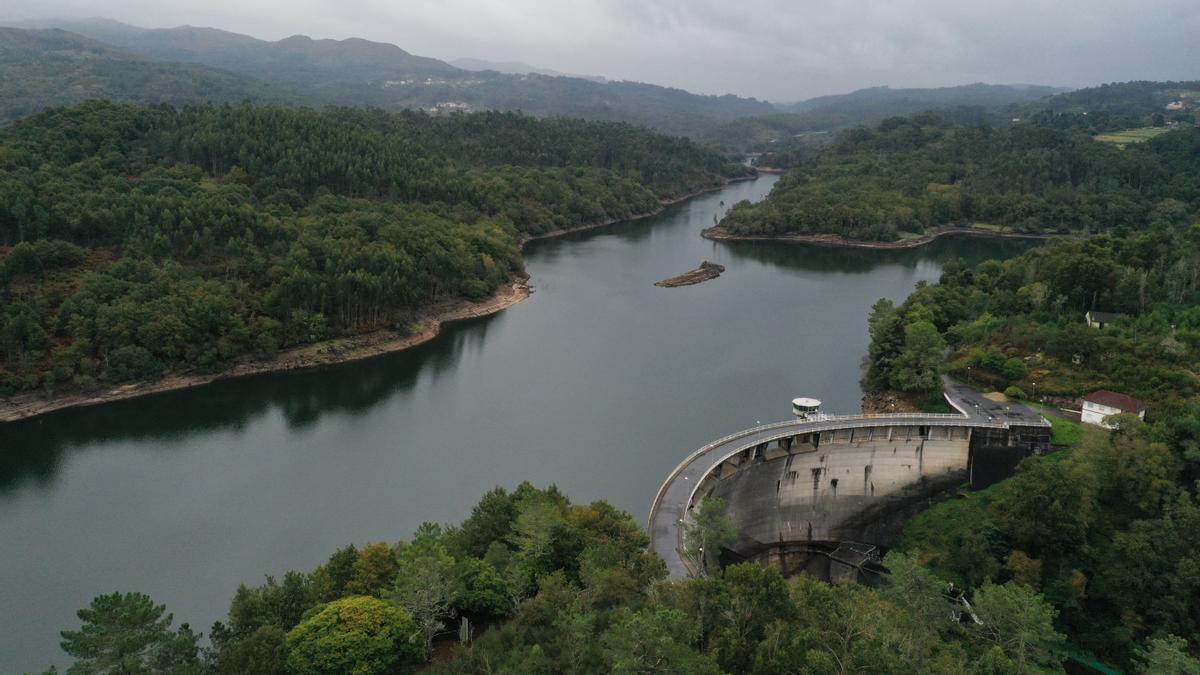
(718, 460)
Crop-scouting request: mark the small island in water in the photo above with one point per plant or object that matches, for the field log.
(707, 270)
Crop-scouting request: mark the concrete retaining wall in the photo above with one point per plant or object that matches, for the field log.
(845, 485)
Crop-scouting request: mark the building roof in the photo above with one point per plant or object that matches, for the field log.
(1102, 317)
(1116, 400)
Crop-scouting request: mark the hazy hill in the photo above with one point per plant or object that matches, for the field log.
(294, 60)
(516, 68)
(968, 94)
(806, 120)
(41, 68)
(1140, 97)
(361, 72)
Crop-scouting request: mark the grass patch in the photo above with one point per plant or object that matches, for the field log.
(1064, 432)
(1128, 136)
(989, 227)
(1056, 457)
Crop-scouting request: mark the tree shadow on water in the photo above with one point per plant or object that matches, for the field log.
(807, 258)
(32, 451)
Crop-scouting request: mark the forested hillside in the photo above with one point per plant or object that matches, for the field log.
(911, 174)
(793, 125)
(1107, 531)
(787, 139)
(55, 68)
(136, 241)
(1031, 309)
(976, 94)
(1132, 101)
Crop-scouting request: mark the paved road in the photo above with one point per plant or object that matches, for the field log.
(677, 492)
(972, 402)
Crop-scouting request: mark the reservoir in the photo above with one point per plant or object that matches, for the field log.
(600, 383)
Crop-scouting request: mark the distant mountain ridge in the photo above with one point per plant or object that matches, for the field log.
(361, 72)
(1138, 97)
(978, 93)
(297, 60)
(41, 68)
(517, 68)
(974, 103)
(101, 58)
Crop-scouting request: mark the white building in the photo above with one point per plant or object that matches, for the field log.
(1100, 404)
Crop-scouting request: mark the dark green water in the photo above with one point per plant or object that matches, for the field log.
(600, 383)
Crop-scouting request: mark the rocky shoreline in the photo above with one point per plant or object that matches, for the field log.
(427, 325)
(882, 402)
(719, 233)
(663, 204)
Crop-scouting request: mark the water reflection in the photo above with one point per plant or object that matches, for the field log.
(35, 448)
(807, 258)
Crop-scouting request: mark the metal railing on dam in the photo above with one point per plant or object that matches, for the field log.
(676, 495)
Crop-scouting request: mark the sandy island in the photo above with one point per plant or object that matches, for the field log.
(705, 272)
(428, 323)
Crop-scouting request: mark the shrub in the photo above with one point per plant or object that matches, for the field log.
(132, 362)
(1014, 369)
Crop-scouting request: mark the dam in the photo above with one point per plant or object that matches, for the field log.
(824, 493)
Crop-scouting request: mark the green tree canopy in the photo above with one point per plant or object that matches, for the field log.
(127, 633)
(707, 528)
(359, 634)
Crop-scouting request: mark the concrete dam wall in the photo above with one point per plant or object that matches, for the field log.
(829, 491)
(855, 484)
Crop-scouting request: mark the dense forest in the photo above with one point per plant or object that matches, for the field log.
(136, 241)
(1129, 102)
(1107, 530)
(1022, 321)
(911, 174)
(533, 584)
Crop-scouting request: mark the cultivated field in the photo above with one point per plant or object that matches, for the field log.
(1130, 135)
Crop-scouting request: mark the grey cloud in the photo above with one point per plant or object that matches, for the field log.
(771, 49)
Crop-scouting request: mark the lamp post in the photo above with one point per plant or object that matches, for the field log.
(968, 376)
(1035, 391)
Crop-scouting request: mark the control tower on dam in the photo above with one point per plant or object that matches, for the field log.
(826, 487)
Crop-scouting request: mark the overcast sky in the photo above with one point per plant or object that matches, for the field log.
(776, 49)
